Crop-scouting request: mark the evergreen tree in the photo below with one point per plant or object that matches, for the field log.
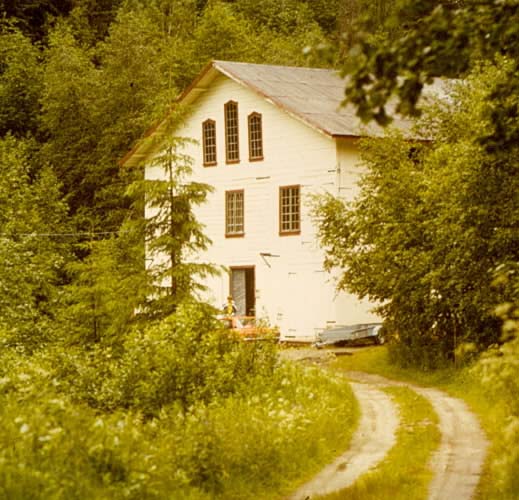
(106, 288)
(173, 236)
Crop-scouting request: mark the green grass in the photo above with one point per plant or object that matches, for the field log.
(404, 473)
(324, 441)
(376, 360)
(257, 443)
(461, 383)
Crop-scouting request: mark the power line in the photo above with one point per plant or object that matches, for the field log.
(46, 235)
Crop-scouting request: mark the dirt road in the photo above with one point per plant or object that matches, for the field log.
(374, 437)
(458, 461)
(456, 465)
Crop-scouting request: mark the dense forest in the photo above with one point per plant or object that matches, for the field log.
(89, 342)
(110, 386)
(80, 82)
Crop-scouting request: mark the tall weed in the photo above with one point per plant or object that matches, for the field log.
(179, 411)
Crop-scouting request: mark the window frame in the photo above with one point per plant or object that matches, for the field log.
(251, 117)
(236, 234)
(291, 231)
(226, 107)
(205, 152)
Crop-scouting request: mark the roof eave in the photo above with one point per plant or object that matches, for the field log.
(142, 149)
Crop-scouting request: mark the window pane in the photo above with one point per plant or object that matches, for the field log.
(290, 215)
(234, 213)
(255, 137)
(209, 142)
(231, 132)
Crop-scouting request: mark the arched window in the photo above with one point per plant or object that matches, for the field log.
(255, 137)
(209, 142)
(232, 145)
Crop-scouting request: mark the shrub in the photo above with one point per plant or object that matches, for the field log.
(276, 424)
(185, 359)
(499, 369)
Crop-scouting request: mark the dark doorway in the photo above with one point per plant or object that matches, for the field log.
(243, 290)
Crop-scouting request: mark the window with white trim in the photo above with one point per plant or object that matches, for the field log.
(232, 145)
(234, 213)
(209, 142)
(255, 137)
(289, 210)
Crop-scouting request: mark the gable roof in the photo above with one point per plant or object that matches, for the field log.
(311, 95)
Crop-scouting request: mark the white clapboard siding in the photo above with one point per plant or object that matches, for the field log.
(349, 309)
(292, 290)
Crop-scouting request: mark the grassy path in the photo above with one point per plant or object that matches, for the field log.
(462, 384)
(404, 473)
(374, 437)
(439, 451)
(457, 463)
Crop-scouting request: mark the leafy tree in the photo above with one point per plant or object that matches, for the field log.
(442, 39)
(175, 21)
(71, 85)
(91, 19)
(137, 79)
(431, 223)
(223, 33)
(373, 20)
(499, 372)
(325, 13)
(32, 15)
(96, 103)
(20, 83)
(279, 17)
(470, 229)
(31, 252)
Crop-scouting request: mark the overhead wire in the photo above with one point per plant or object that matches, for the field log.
(46, 235)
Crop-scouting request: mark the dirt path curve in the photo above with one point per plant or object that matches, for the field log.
(458, 461)
(374, 437)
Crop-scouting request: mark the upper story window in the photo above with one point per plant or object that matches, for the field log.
(255, 137)
(209, 142)
(231, 132)
(289, 210)
(234, 213)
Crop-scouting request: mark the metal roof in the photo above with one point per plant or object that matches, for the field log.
(313, 96)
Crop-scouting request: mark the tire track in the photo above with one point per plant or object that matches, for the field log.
(374, 437)
(457, 463)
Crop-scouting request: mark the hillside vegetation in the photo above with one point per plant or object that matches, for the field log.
(111, 386)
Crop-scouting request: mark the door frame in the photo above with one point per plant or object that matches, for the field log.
(250, 289)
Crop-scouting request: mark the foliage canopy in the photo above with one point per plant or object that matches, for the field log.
(432, 223)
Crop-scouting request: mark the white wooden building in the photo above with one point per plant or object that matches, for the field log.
(267, 138)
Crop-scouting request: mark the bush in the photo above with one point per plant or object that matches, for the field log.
(431, 222)
(185, 359)
(499, 370)
(182, 410)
